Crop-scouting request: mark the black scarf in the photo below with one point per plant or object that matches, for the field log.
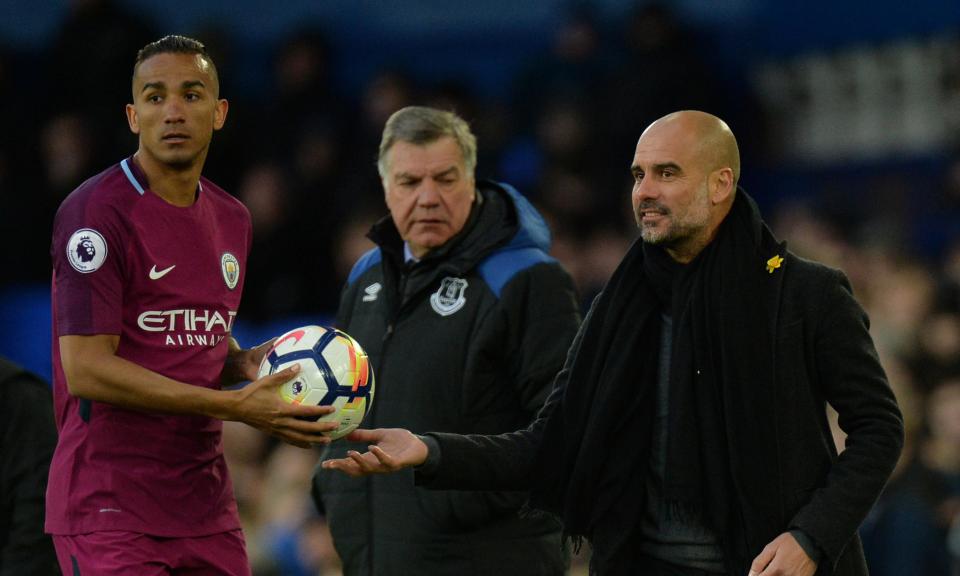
(592, 462)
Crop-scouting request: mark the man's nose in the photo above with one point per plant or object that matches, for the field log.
(644, 189)
(174, 112)
(429, 194)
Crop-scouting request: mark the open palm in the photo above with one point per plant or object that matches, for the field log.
(391, 449)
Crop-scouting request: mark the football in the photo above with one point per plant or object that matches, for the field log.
(334, 371)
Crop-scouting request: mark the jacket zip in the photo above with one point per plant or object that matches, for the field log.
(387, 335)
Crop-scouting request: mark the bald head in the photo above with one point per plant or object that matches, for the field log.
(709, 138)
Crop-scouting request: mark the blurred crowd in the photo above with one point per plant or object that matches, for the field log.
(301, 156)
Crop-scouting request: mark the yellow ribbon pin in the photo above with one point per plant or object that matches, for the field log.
(774, 263)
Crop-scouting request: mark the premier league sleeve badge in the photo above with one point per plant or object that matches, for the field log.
(86, 250)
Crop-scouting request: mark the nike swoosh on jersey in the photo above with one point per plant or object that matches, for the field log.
(156, 275)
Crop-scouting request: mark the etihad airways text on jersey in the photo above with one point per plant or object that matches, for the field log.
(186, 319)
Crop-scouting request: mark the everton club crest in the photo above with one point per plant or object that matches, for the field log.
(450, 297)
(231, 269)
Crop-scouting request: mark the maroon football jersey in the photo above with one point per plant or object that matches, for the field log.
(167, 280)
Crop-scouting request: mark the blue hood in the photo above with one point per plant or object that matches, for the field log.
(533, 231)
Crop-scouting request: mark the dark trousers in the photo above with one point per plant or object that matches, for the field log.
(647, 566)
(654, 567)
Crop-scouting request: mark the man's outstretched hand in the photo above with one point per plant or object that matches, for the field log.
(390, 449)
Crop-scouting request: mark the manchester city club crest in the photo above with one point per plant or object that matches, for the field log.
(231, 269)
(86, 250)
(450, 297)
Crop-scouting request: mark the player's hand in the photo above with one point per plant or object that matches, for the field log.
(259, 404)
(249, 360)
(390, 449)
(783, 557)
(242, 364)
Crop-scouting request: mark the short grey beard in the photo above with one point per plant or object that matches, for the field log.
(651, 237)
(671, 237)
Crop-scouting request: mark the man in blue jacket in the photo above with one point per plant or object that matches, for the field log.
(466, 319)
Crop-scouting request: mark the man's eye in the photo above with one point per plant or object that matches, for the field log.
(192, 97)
(154, 98)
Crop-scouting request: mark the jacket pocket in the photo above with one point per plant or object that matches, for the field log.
(465, 510)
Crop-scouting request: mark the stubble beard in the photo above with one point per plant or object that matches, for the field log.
(677, 231)
(656, 236)
(652, 233)
(674, 234)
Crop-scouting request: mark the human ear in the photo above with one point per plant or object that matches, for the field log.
(721, 185)
(132, 119)
(220, 114)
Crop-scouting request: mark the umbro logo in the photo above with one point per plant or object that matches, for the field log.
(158, 274)
(370, 292)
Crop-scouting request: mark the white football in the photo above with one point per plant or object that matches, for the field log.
(334, 371)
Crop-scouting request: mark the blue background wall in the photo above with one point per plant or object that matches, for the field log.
(480, 41)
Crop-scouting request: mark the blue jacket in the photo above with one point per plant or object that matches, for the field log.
(468, 340)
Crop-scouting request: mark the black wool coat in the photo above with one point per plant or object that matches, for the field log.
(823, 354)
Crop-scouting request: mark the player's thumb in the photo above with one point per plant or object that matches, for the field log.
(261, 349)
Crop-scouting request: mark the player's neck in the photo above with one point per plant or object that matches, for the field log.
(175, 185)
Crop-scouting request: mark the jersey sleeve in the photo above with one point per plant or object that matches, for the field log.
(88, 252)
